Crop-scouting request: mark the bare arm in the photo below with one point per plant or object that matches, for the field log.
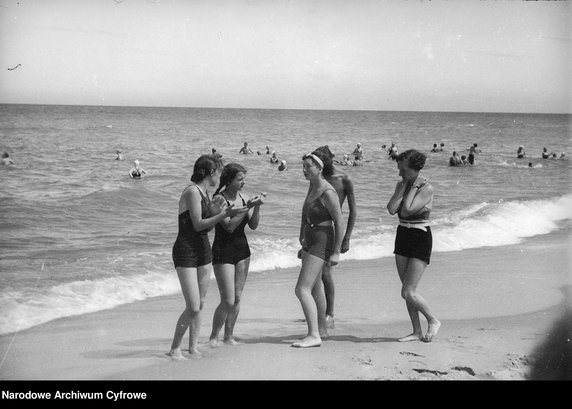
(231, 223)
(332, 203)
(397, 197)
(419, 195)
(192, 200)
(349, 191)
(254, 206)
(302, 222)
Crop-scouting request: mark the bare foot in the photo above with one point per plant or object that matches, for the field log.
(214, 343)
(308, 342)
(195, 353)
(176, 355)
(410, 337)
(432, 330)
(233, 341)
(330, 321)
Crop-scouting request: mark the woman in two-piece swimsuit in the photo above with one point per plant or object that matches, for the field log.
(192, 252)
(231, 253)
(321, 235)
(412, 201)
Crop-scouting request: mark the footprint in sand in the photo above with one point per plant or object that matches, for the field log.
(432, 371)
(464, 368)
(410, 354)
(364, 361)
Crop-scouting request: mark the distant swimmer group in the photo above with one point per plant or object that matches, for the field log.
(544, 154)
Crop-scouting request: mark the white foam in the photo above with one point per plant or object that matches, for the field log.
(24, 310)
(481, 225)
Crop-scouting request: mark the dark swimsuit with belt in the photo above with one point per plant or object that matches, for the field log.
(230, 248)
(192, 248)
(318, 240)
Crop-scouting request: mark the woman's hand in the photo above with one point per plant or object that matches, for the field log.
(420, 181)
(334, 259)
(256, 200)
(232, 211)
(218, 204)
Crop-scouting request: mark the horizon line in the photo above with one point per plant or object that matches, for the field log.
(287, 109)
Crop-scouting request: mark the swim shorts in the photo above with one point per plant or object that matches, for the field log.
(319, 241)
(414, 243)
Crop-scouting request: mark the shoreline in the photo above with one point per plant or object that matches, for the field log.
(496, 305)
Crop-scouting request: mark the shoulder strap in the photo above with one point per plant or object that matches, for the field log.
(243, 201)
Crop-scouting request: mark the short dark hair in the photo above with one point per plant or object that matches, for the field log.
(415, 159)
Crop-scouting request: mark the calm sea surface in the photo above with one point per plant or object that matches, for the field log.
(78, 235)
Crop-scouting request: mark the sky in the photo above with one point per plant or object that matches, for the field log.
(392, 55)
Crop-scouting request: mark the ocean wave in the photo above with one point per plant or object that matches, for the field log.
(22, 310)
(504, 223)
(481, 225)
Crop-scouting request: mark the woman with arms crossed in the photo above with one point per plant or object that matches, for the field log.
(231, 253)
(412, 201)
(321, 235)
(192, 254)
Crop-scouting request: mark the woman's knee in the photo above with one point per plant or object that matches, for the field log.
(301, 291)
(227, 303)
(408, 293)
(195, 308)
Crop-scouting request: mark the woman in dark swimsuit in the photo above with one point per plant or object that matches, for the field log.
(412, 201)
(231, 253)
(192, 252)
(321, 235)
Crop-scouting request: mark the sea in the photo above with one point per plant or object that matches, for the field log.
(78, 235)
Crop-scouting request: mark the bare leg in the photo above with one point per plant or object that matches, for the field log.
(240, 275)
(194, 284)
(311, 268)
(415, 302)
(330, 292)
(224, 274)
(320, 300)
(402, 265)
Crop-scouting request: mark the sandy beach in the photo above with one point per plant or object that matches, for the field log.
(497, 305)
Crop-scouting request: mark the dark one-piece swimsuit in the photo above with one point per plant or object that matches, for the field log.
(230, 248)
(192, 248)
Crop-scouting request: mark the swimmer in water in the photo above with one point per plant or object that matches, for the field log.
(6, 159)
(136, 172)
